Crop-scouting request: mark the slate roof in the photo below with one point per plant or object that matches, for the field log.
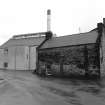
(30, 41)
(76, 39)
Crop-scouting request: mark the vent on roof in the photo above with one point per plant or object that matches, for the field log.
(29, 35)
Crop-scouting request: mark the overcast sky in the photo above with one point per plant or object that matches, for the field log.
(29, 16)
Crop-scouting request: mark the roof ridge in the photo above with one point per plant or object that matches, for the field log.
(78, 33)
(29, 35)
(74, 39)
(27, 38)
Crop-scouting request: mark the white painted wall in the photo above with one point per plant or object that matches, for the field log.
(11, 58)
(19, 58)
(1, 58)
(102, 55)
(27, 58)
(33, 58)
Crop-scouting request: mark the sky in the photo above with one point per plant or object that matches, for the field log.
(67, 16)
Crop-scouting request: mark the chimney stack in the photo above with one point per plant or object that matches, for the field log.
(48, 20)
(100, 27)
(104, 21)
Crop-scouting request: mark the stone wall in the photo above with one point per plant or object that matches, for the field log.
(71, 58)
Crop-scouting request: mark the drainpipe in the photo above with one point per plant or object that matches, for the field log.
(37, 62)
(61, 65)
(15, 57)
(86, 62)
(48, 36)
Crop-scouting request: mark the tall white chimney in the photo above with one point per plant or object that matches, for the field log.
(48, 20)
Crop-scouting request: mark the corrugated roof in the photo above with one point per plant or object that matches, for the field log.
(76, 39)
(23, 42)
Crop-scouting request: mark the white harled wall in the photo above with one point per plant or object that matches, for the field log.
(1, 58)
(33, 57)
(11, 58)
(102, 54)
(19, 58)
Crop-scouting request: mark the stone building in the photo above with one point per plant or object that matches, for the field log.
(78, 54)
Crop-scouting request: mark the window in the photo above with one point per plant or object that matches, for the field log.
(5, 64)
(6, 51)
